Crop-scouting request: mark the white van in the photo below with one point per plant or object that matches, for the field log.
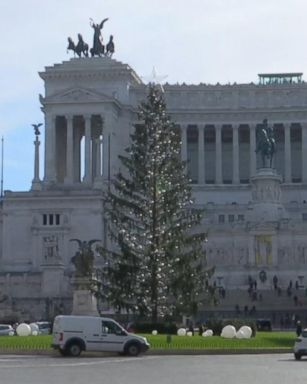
(73, 334)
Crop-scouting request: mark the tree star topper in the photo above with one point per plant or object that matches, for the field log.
(153, 78)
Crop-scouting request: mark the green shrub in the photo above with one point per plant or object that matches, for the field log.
(162, 328)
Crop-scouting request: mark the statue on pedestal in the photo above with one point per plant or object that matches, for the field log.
(266, 143)
(84, 258)
(84, 300)
(51, 249)
(36, 128)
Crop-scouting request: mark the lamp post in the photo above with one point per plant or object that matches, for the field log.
(36, 183)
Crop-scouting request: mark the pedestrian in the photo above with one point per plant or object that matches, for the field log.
(275, 281)
(298, 328)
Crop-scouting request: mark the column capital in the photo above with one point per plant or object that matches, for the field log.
(184, 126)
(287, 125)
(98, 140)
(69, 117)
(87, 116)
(51, 117)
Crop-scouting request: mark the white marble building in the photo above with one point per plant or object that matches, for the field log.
(256, 218)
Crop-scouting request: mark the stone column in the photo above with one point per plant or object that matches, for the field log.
(288, 165)
(184, 142)
(108, 133)
(69, 150)
(274, 250)
(50, 149)
(36, 183)
(98, 177)
(304, 152)
(77, 153)
(201, 155)
(218, 154)
(251, 250)
(252, 146)
(235, 154)
(87, 150)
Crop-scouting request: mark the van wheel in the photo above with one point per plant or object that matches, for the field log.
(133, 349)
(297, 356)
(74, 350)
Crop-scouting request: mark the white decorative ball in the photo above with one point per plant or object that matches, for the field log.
(189, 333)
(208, 333)
(240, 334)
(229, 332)
(247, 331)
(181, 332)
(23, 329)
(34, 327)
(154, 332)
(34, 333)
(11, 333)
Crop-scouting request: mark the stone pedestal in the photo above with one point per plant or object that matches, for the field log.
(266, 212)
(266, 196)
(84, 302)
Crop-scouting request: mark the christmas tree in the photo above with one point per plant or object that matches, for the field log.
(157, 265)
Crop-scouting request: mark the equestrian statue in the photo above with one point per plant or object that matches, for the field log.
(266, 144)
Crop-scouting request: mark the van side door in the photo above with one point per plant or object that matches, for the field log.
(113, 337)
(92, 334)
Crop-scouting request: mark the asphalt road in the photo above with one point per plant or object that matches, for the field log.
(231, 369)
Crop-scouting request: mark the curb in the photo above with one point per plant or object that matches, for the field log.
(156, 352)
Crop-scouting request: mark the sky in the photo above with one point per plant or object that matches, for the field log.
(195, 41)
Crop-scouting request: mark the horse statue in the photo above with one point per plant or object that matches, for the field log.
(110, 48)
(80, 48)
(266, 143)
